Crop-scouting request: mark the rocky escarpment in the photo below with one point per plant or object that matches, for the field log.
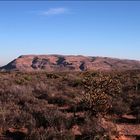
(68, 63)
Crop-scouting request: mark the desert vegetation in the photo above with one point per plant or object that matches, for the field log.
(69, 105)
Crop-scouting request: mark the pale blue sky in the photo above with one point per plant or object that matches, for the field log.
(85, 28)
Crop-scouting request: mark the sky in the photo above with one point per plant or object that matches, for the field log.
(91, 28)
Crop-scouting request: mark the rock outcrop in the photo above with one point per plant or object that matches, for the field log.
(68, 63)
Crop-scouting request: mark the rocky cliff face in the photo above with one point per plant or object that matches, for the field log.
(68, 63)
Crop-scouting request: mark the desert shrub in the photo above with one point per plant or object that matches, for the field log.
(40, 87)
(17, 93)
(38, 134)
(21, 119)
(99, 88)
(52, 75)
(75, 82)
(12, 116)
(38, 103)
(59, 100)
(49, 118)
(92, 128)
(119, 107)
(27, 77)
(50, 134)
(97, 128)
(20, 81)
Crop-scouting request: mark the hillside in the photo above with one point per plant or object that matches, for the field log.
(49, 106)
(68, 63)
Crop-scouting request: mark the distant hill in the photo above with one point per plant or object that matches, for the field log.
(68, 63)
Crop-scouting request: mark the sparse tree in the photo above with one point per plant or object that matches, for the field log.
(99, 88)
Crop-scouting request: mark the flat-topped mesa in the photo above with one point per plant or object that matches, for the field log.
(68, 63)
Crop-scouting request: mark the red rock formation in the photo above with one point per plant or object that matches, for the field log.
(69, 63)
